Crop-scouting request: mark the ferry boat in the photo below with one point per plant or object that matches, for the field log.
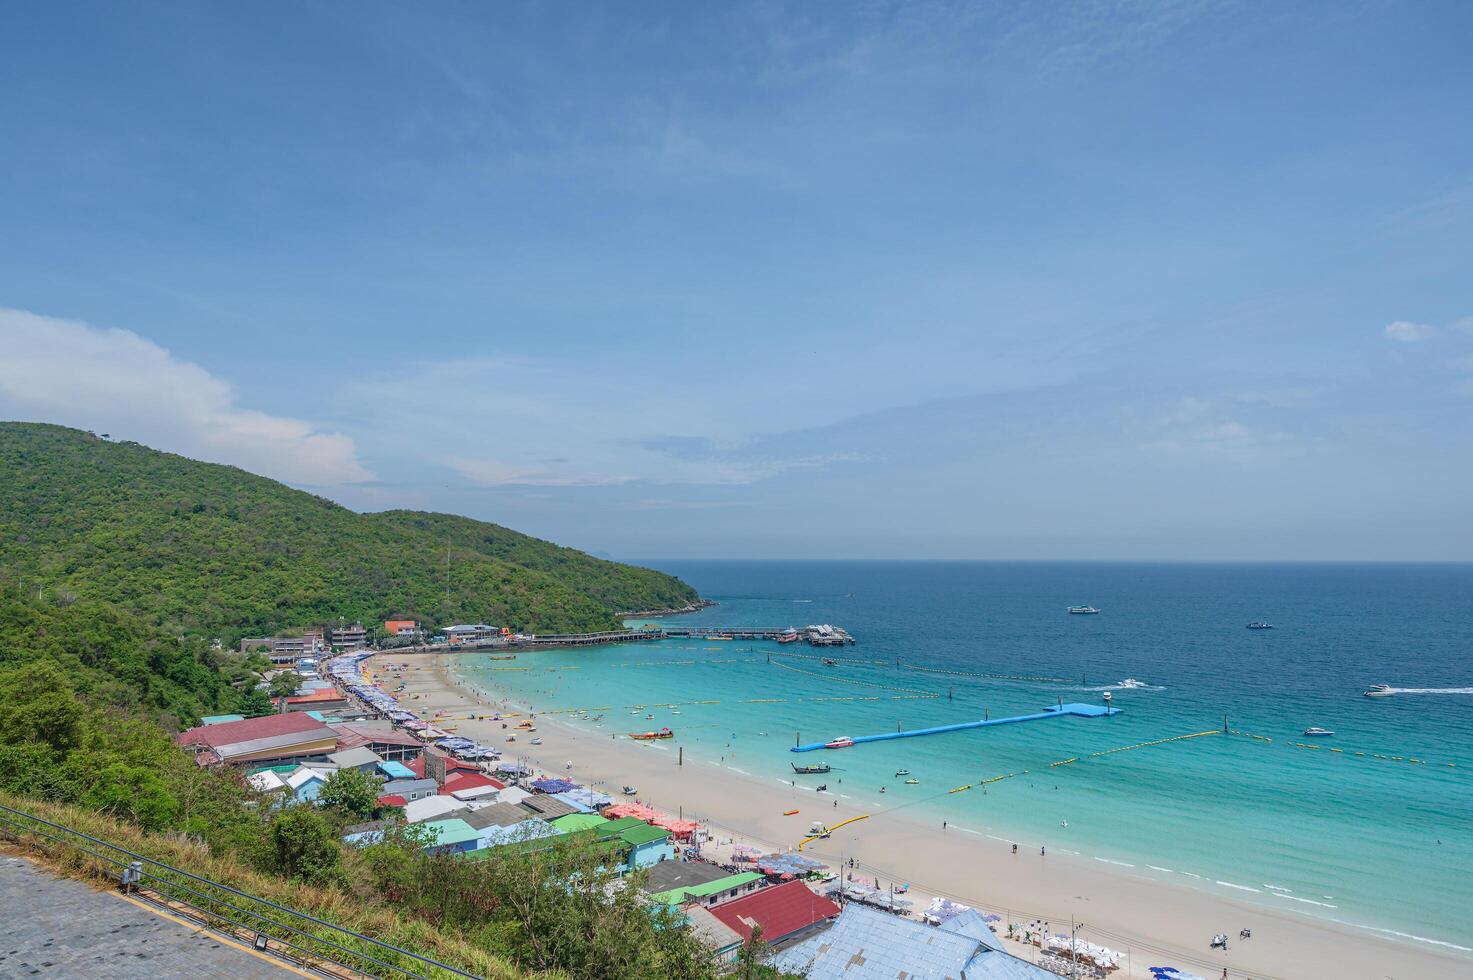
(811, 770)
(789, 636)
(1255, 625)
(1083, 611)
(1380, 691)
(842, 742)
(647, 736)
(1318, 732)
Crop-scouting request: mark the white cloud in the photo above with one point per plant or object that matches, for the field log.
(1408, 332)
(115, 381)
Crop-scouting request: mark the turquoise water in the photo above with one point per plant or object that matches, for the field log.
(1377, 842)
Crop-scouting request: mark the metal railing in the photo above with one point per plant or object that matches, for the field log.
(296, 935)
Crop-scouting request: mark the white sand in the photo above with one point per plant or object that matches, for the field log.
(1157, 923)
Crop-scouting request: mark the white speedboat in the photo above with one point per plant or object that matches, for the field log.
(1083, 611)
(1130, 683)
(1320, 732)
(1379, 691)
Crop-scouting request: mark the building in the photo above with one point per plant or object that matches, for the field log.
(353, 637)
(401, 627)
(389, 744)
(431, 808)
(477, 633)
(867, 944)
(286, 649)
(723, 942)
(322, 699)
(451, 837)
(681, 882)
(784, 912)
(305, 783)
(273, 739)
(360, 758)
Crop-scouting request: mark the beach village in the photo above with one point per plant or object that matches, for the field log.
(465, 799)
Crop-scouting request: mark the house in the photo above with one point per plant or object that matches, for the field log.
(265, 741)
(647, 846)
(451, 837)
(527, 830)
(472, 786)
(680, 882)
(286, 649)
(360, 758)
(723, 942)
(266, 781)
(431, 808)
(305, 783)
(867, 944)
(783, 912)
(401, 627)
(470, 634)
(495, 815)
(400, 780)
(547, 807)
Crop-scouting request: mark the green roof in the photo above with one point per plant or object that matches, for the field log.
(623, 824)
(453, 831)
(570, 823)
(636, 836)
(677, 895)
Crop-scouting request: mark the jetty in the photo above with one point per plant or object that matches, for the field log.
(820, 636)
(1052, 711)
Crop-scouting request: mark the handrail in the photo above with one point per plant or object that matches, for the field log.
(19, 818)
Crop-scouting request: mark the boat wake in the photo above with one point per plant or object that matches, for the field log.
(1129, 684)
(1429, 690)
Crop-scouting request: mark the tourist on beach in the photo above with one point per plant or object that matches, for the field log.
(1015, 848)
(1041, 851)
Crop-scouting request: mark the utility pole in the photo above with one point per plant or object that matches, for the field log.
(1074, 946)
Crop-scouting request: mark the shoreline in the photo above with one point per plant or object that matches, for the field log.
(1152, 921)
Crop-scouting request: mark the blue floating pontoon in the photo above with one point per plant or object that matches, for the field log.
(1052, 711)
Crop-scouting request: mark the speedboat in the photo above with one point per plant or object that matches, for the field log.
(902, 772)
(1379, 691)
(629, 790)
(1255, 625)
(536, 741)
(911, 781)
(829, 662)
(1131, 683)
(842, 742)
(1321, 732)
(1083, 611)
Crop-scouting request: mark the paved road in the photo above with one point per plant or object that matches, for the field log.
(54, 927)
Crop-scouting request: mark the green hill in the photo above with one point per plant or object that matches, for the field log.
(204, 548)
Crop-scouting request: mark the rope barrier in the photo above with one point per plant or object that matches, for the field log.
(999, 677)
(850, 680)
(1355, 753)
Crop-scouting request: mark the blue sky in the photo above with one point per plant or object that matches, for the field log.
(1153, 279)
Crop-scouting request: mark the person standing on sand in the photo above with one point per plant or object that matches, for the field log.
(1041, 851)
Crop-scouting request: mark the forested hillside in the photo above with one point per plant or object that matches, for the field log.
(203, 548)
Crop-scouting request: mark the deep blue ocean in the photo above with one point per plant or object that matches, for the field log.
(1383, 842)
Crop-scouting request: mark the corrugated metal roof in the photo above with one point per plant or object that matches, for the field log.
(452, 831)
(677, 895)
(353, 758)
(710, 931)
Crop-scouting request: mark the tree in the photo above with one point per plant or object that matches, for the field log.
(301, 845)
(285, 684)
(38, 704)
(133, 792)
(351, 791)
(255, 703)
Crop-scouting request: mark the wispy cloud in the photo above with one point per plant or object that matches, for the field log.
(115, 381)
(1408, 332)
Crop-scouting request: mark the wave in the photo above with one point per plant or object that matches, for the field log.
(1108, 861)
(1306, 901)
(1123, 686)
(1229, 884)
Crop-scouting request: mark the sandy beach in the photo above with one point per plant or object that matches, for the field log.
(1154, 923)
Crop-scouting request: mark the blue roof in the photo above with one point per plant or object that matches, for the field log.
(867, 944)
(972, 925)
(396, 770)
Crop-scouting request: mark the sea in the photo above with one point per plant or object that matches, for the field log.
(1372, 827)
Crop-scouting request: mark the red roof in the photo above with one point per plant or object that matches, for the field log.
(417, 766)
(394, 625)
(267, 726)
(469, 780)
(780, 910)
(325, 694)
(393, 799)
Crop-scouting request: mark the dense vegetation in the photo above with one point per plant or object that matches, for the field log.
(206, 549)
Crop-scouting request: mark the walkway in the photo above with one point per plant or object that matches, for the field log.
(57, 927)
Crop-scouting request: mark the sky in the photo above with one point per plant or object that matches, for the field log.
(1115, 279)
